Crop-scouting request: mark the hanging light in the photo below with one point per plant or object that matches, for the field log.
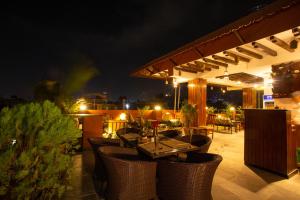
(166, 82)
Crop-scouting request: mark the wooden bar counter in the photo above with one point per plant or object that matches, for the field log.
(270, 141)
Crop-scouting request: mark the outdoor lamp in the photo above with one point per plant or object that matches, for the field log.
(157, 107)
(127, 106)
(232, 108)
(122, 116)
(82, 107)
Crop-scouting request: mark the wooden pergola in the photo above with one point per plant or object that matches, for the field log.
(231, 55)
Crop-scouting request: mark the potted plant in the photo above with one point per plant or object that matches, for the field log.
(36, 143)
(189, 114)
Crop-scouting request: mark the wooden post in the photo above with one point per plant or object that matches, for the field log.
(92, 127)
(197, 96)
(249, 98)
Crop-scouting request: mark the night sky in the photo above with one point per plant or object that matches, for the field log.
(42, 41)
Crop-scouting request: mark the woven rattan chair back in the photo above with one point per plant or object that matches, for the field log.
(129, 178)
(190, 180)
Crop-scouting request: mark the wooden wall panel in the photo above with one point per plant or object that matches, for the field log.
(249, 98)
(197, 96)
(92, 127)
(269, 141)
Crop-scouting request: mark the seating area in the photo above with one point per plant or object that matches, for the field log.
(128, 173)
(227, 123)
(232, 181)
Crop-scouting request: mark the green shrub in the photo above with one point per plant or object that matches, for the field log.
(189, 114)
(36, 142)
(210, 110)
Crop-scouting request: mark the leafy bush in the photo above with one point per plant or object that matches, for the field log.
(210, 110)
(189, 114)
(36, 142)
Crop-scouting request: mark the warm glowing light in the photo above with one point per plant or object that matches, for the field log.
(232, 108)
(223, 91)
(173, 120)
(239, 82)
(167, 113)
(157, 107)
(206, 108)
(219, 116)
(268, 81)
(255, 86)
(82, 107)
(122, 116)
(191, 85)
(175, 84)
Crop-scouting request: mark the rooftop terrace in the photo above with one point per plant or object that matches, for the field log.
(233, 180)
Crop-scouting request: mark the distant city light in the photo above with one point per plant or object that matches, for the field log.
(127, 106)
(232, 108)
(122, 116)
(157, 107)
(82, 107)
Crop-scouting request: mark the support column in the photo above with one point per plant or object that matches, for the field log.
(197, 96)
(249, 98)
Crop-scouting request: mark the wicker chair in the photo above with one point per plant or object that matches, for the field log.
(129, 177)
(201, 141)
(99, 173)
(189, 180)
(122, 131)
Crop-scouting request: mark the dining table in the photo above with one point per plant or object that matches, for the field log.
(164, 147)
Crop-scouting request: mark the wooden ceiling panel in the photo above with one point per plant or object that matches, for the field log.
(244, 77)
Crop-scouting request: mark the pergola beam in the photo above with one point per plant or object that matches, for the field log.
(294, 42)
(185, 70)
(236, 56)
(296, 32)
(229, 61)
(280, 43)
(202, 68)
(192, 68)
(265, 49)
(215, 62)
(249, 53)
(207, 65)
